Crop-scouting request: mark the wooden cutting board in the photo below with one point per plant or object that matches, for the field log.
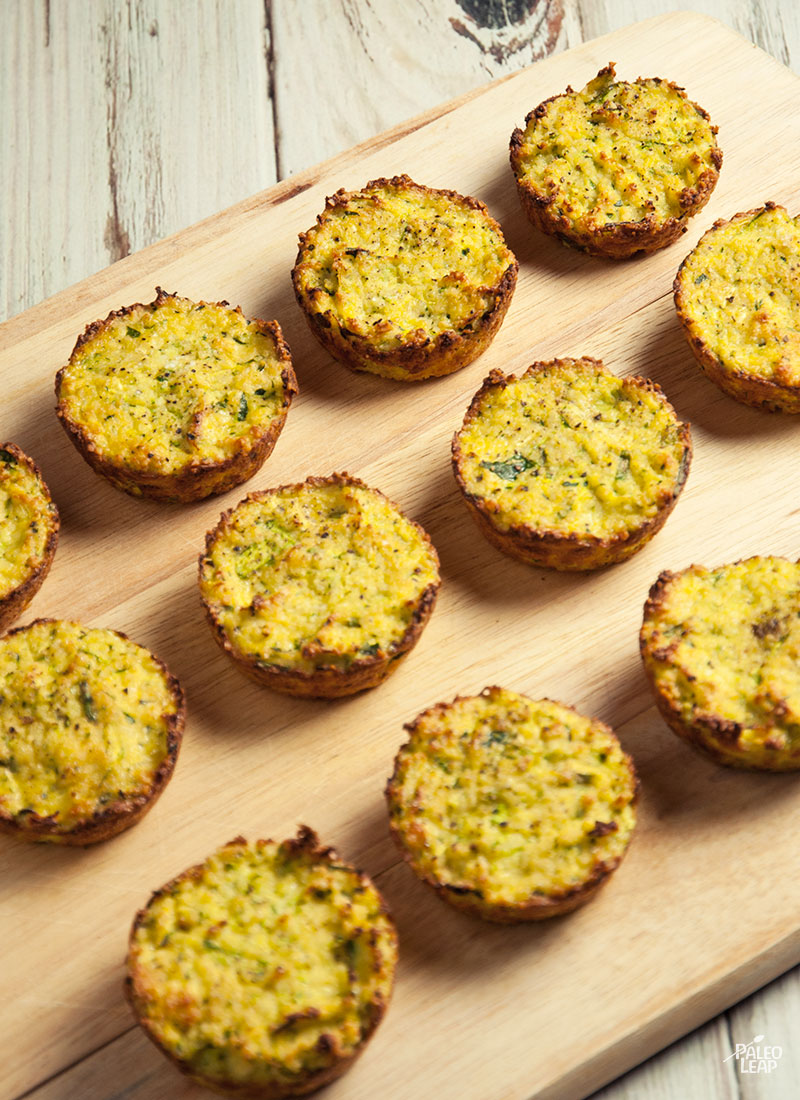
(706, 906)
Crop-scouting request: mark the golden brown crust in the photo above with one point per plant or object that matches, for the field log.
(330, 682)
(126, 811)
(418, 357)
(12, 605)
(729, 742)
(553, 549)
(537, 906)
(704, 729)
(750, 389)
(306, 843)
(621, 240)
(199, 479)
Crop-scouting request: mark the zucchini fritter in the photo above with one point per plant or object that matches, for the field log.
(263, 971)
(90, 727)
(569, 466)
(738, 298)
(319, 588)
(176, 400)
(617, 168)
(512, 809)
(721, 648)
(404, 281)
(28, 532)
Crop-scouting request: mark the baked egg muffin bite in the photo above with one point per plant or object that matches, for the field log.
(263, 971)
(618, 168)
(319, 588)
(737, 295)
(511, 808)
(569, 466)
(404, 281)
(28, 532)
(721, 649)
(176, 400)
(90, 728)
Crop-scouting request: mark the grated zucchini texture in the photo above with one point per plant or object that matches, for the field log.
(320, 574)
(397, 261)
(617, 152)
(722, 646)
(27, 519)
(83, 721)
(176, 383)
(570, 447)
(241, 966)
(739, 293)
(511, 797)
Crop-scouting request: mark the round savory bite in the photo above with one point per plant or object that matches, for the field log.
(618, 168)
(320, 588)
(28, 532)
(263, 971)
(90, 727)
(511, 808)
(569, 466)
(721, 648)
(176, 400)
(738, 299)
(404, 281)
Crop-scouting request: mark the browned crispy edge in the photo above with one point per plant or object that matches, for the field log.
(550, 548)
(418, 357)
(327, 681)
(307, 843)
(754, 390)
(622, 240)
(199, 478)
(123, 813)
(470, 899)
(712, 735)
(13, 604)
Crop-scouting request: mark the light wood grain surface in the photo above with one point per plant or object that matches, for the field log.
(121, 123)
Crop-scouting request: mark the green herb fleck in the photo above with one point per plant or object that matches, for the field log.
(701, 278)
(497, 737)
(133, 332)
(242, 413)
(369, 649)
(87, 701)
(8, 458)
(623, 467)
(512, 468)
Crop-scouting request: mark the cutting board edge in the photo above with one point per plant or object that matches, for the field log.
(113, 278)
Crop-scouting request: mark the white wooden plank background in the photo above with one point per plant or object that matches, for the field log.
(122, 121)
